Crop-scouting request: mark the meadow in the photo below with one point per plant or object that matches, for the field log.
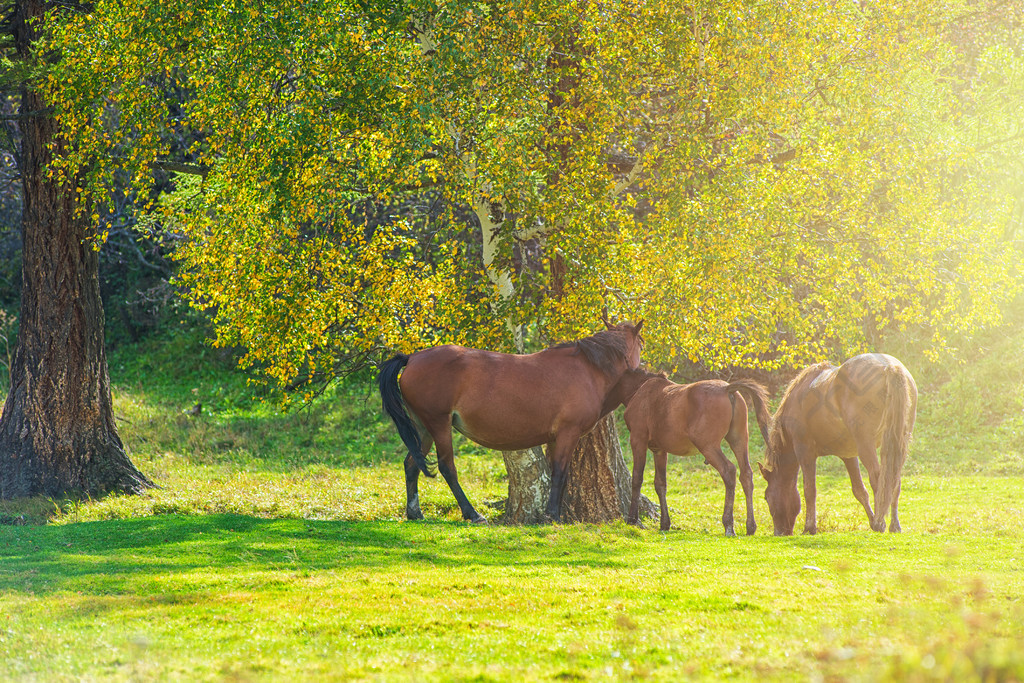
(275, 548)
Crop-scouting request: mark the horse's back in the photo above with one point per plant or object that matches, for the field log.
(861, 372)
(864, 385)
(481, 372)
(864, 377)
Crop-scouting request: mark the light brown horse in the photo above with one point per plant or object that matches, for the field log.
(505, 402)
(684, 419)
(870, 401)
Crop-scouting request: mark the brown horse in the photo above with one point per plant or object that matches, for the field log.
(684, 419)
(849, 411)
(505, 402)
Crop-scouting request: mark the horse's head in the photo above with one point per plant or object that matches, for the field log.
(634, 342)
(782, 497)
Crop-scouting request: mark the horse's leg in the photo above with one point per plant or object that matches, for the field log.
(660, 484)
(738, 443)
(412, 494)
(638, 444)
(867, 455)
(716, 458)
(809, 469)
(894, 522)
(857, 483)
(446, 466)
(412, 476)
(560, 454)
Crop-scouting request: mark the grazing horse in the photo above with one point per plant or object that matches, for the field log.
(684, 419)
(505, 402)
(849, 411)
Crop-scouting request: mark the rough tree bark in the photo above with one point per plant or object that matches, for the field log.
(598, 487)
(57, 430)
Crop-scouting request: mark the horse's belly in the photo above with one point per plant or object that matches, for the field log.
(500, 435)
(837, 441)
(678, 446)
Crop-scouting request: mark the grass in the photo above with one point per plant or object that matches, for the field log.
(236, 596)
(276, 549)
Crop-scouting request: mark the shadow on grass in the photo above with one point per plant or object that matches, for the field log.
(101, 556)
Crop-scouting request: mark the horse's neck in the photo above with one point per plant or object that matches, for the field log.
(627, 386)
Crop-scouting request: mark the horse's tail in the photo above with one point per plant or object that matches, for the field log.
(394, 406)
(895, 438)
(758, 396)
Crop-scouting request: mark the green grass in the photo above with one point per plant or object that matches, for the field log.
(237, 596)
(276, 549)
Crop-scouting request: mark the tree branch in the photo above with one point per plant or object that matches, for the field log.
(181, 167)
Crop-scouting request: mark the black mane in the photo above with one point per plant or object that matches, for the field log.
(602, 349)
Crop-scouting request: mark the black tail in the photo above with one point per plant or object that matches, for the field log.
(758, 395)
(394, 406)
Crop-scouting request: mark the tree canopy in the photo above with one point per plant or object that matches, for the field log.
(764, 183)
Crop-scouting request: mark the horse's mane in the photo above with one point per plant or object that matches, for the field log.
(602, 349)
(787, 406)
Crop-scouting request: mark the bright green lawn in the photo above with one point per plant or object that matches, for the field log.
(268, 595)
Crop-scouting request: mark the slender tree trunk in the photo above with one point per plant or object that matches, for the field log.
(598, 487)
(529, 482)
(57, 431)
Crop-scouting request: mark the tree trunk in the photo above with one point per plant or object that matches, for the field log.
(529, 482)
(598, 487)
(57, 431)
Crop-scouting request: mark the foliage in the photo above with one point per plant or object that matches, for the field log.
(830, 181)
(766, 183)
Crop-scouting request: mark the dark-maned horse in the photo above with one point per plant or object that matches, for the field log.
(870, 401)
(505, 402)
(684, 419)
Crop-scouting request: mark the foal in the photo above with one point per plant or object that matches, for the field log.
(683, 419)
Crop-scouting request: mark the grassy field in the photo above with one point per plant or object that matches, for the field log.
(276, 549)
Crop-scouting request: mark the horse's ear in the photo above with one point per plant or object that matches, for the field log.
(636, 330)
(764, 473)
(604, 318)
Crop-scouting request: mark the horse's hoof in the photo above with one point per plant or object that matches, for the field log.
(751, 530)
(730, 533)
(810, 531)
(413, 515)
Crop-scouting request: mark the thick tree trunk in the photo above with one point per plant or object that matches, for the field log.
(598, 486)
(57, 431)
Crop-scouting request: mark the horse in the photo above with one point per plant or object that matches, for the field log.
(504, 402)
(684, 419)
(868, 402)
